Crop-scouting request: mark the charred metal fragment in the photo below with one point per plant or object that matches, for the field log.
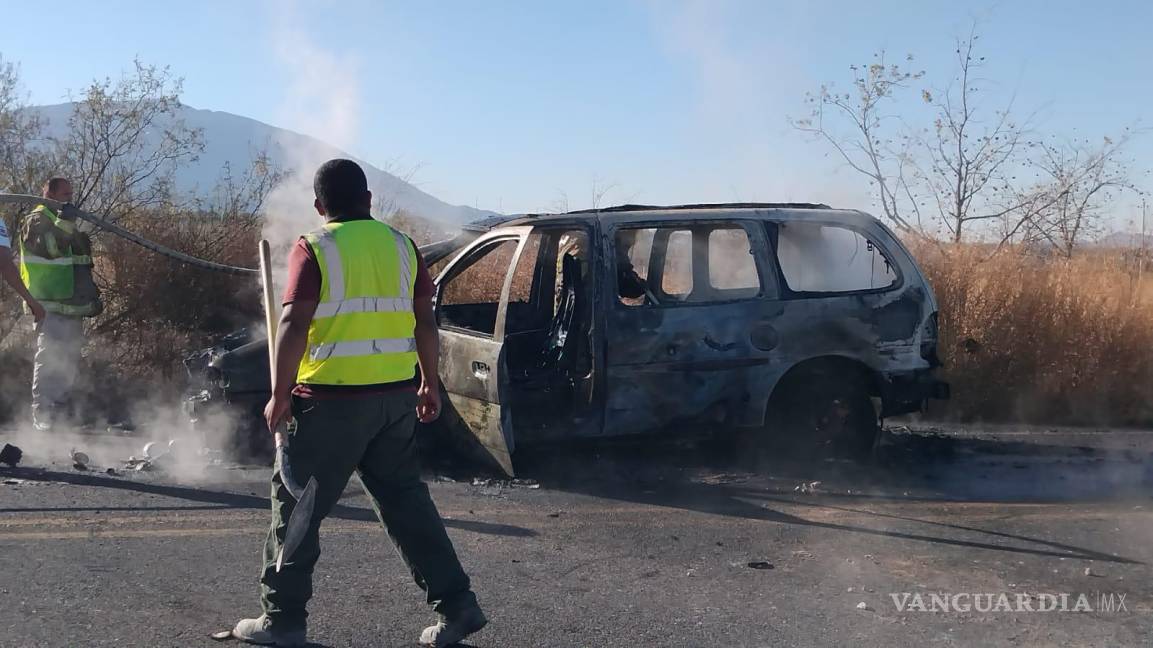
(11, 455)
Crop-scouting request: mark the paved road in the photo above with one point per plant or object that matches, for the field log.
(629, 547)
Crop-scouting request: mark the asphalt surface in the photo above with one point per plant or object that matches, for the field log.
(629, 546)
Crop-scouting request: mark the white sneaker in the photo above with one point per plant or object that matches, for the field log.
(453, 631)
(259, 631)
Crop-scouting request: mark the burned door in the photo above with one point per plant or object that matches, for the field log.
(689, 326)
(472, 307)
(551, 340)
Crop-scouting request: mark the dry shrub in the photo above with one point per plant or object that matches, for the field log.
(422, 231)
(1041, 339)
(157, 308)
(482, 282)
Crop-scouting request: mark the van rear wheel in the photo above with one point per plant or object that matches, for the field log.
(820, 415)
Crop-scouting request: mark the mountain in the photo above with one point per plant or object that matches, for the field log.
(1125, 240)
(233, 139)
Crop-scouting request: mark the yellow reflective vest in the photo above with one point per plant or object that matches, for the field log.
(363, 329)
(51, 279)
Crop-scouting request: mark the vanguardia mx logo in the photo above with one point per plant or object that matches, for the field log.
(987, 602)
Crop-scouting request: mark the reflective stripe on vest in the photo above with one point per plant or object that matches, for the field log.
(361, 348)
(363, 305)
(78, 259)
(50, 280)
(335, 269)
(363, 330)
(71, 310)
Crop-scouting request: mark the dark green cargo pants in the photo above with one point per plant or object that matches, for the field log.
(374, 437)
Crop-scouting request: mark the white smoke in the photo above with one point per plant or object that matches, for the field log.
(323, 101)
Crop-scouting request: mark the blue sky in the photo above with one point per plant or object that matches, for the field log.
(510, 105)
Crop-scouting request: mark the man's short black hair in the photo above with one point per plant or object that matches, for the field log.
(340, 186)
(54, 184)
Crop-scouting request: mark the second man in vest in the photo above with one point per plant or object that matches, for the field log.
(355, 366)
(56, 265)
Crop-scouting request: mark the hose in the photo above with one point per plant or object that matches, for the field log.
(135, 238)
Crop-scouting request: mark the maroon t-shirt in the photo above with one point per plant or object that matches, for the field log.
(304, 285)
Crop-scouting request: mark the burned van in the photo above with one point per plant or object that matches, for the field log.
(757, 321)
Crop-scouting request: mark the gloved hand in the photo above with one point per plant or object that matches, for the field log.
(68, 212)
(81, 243)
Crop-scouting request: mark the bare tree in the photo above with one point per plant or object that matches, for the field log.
(972, 153)
(560, 204)
(964, 170)
(244, 196)
(386, 204)
(21, 162)
(232, 211)
(599, 191)
(125, 141)
(870, 140)
(1082, 177)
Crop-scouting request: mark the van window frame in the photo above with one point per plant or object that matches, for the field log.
(465, 260)
(758, 243)
(771, 228)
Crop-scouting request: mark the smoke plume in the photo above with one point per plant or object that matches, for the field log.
(322, 101)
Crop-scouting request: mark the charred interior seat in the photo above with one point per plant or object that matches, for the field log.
(551, 371)
(562, 344)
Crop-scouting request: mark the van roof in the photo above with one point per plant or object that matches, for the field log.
(656, 210)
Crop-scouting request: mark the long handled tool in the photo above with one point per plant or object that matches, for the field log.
(305, 497)
(127, 235)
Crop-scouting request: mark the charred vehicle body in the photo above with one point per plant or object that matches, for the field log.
(757, 321)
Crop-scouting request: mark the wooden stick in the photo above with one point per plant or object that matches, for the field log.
(270, 316)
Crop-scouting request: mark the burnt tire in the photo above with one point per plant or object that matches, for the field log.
(822, 415)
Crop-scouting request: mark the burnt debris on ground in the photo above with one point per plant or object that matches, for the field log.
(11, 455)
(926, 464)
(906, 464)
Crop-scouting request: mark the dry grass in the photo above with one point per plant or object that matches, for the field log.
(157, 308)
(1044, 340)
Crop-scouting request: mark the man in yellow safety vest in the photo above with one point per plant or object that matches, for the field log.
(56, 266)
(355, 366)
